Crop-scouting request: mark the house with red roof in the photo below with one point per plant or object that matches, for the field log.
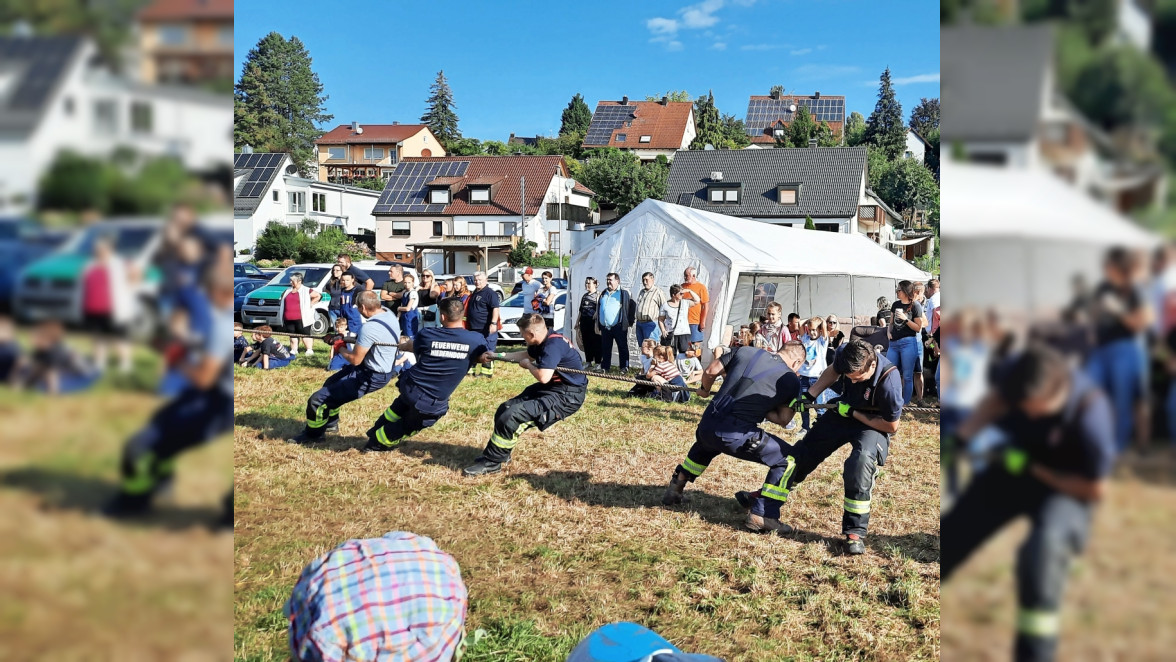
(645, 128)
(461, 214)
(768, 117)
(354, 151)
(186, 41)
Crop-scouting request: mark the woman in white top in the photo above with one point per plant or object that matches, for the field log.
(108, 304)
(296, 312)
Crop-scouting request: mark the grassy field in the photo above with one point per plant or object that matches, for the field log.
(572, 534)
(77, 586)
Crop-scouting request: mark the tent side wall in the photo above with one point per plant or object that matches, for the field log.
(844, 296)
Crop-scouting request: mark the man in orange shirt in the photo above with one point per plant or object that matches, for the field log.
(697, 317)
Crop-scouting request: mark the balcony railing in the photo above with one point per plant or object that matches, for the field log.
(557, 211)
(513, 240)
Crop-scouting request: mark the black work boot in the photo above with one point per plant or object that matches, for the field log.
(854, 544)
(332, 427)
(482, 467)
(305, 437)
(746, 499)
(673, 494)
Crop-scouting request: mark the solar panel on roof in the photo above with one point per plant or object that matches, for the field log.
(604, 120)
(406, 189)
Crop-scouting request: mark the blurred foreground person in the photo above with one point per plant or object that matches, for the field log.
(397, 597)
(202, 411)
(1053, 470)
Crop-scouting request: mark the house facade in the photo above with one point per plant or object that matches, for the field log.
(267, 188)
(354, 151)
(57, 97)
(648, 129)
(784, 187)
(768, 116)
(461, 214)
(186, 41)
(916, 146)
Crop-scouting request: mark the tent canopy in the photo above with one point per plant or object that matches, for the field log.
(810, 272)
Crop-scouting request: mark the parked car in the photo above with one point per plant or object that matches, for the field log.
(22, 242)
(559, 283)
(242, 287)
(249, 270)
(469, 279)
(514, 308)
(261, 306)
(50, 288)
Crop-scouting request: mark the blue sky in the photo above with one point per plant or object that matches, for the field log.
(514, 66)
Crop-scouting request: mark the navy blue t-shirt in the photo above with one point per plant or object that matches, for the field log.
(443, 357)
(1079, 440)
(555, 353)
(361, 277)
(884, 393)
(756, 383)
(480, 310)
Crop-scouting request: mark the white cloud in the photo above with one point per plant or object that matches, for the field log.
(702, 14)
(801, 51)
(719, 46)
(662, 25)
(761, 47)
(921, 78)
(674, 46)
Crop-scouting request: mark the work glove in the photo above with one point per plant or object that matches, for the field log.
(799, 402)
(339, 345)
(845, 409)
(1015, 460)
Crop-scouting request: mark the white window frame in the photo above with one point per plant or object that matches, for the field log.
(318, 202)
(622, 137)
(716, 195)
(480, 194)
(276, 196)
(731, 195)
(369, 153)
(438, 225)
(401, 228)
(341, 150)
(439, 196)
(510, 228)
(795, 196)
(297, 202)
(481, 228)
(646, 139)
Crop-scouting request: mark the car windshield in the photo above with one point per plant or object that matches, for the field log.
(246, 268)
(128, 240)
(311, 276)
(246, 288)
(515, 301)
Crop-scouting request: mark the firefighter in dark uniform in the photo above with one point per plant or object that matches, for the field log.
(369, 369)
(199, 413)
(444, 355)
(482, 316)
(556, 396)
(1053, 469)
(757, 385)
(866, 415)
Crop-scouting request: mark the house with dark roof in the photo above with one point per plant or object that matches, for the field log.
(186, 41)
(56, 94)
(768, 117)
(354, 151)
(521, 140)
(266, 187)
(646, 128)
(782, 187)
(461, 214)
(1000, 90)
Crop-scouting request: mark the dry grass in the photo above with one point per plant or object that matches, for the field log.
(1121, 598)
(77, 586)
(572, 534)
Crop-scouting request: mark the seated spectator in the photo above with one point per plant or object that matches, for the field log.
(884, 315)
(240, 344)
(629, 641)
(270, 353)
(647, 347)
(55, 368)
(690, 365)
(11, 360)
(403, 362)
(397, 597)
(664, 371)
(336, 361)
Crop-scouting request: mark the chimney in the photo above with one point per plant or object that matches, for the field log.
(775, 94)
(510, 139)
(665, 101)
(624, 101)
(816, 95)
(395, 123)
(355, 127)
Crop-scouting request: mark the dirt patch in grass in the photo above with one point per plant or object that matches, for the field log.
(572, 534)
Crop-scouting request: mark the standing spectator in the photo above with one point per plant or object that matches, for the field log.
(907, 317)
(932, 306)
(675, 320)
(649, 304)
(482, 316)
(429, 294)
(545, 300)
(529, 287)
(362, 280)
(816, 346)
(883, 317)
(794, 329)
(835, 336)
(589, 338)
(348, 311)
(393, 288)
(1121, 315)
(334, 288)
(107, 304)
(296, 310)
(614, 315)
(920, 298)
(410, 300)
(461, 288)
(772, 333)
(697, 313)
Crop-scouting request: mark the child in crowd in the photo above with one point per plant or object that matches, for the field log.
(773, 333)
(347, 308)
(336, 362)
(269, 353)
(410, 317)
(690, 365)
(11, 360)
(816, 345)
(404, 361)
(663, 371)
(240, 344)
(647, 349)
(54, 367)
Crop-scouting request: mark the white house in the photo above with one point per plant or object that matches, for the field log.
(916, 146)
(267, 188)
(55, 96)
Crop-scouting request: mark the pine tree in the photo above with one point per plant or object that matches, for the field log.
(808, 223)
(278, 103)
(576, 117)
(707, 123)
(801, 129)
(440, 118)
(885, 127)
(925, 116)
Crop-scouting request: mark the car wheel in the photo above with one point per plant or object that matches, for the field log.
(321, 324)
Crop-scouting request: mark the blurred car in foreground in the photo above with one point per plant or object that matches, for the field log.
(23, 242)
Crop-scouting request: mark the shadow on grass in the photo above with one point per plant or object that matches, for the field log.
(640, 405)
(63, 491)
(271, 427)
(577, 486)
